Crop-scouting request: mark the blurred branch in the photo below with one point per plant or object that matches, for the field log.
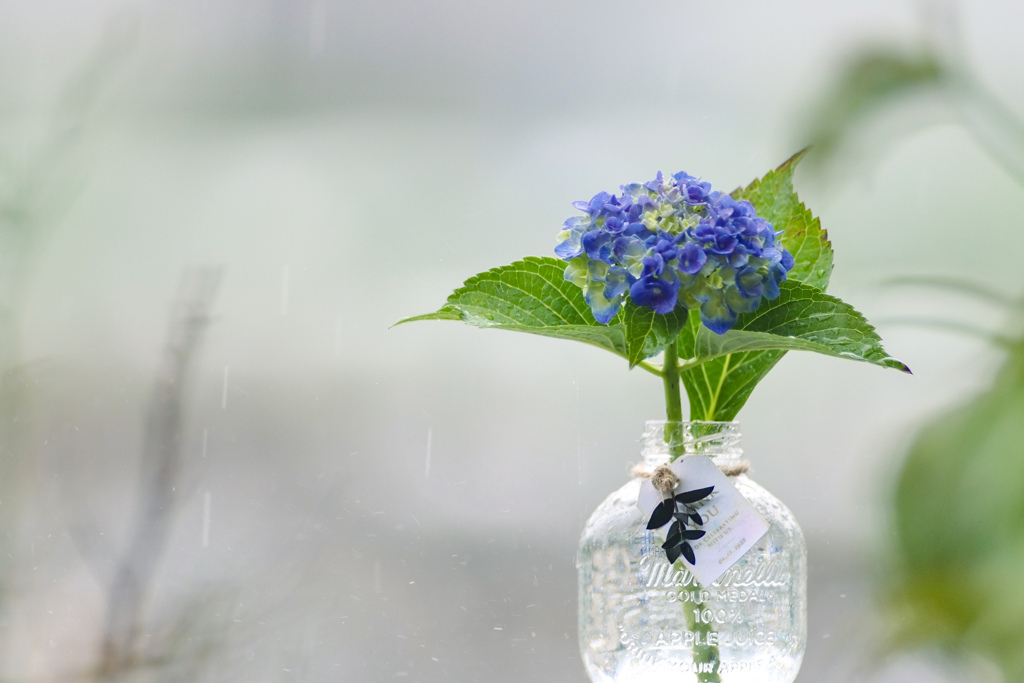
(996, 127)
(1001, 340)
(875, 79)
(40, 190)
(33, 197)
(871, 81)
(958, 285)
(161, 465)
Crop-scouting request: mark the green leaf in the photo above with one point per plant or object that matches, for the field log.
(648, 333)
(443, 313)
(533, 296)
(777, 202)
(718, 388)
(802, 318)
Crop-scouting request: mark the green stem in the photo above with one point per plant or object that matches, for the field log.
(673, 402)
(670, 373)
(703, 654)
(702, 632)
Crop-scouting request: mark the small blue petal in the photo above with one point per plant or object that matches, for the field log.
(739, 257)
(638, 229)
(603, 308)
(691, 258)
(772, 255)
(704, 232)
(655, 293)
(613, 224)
(747, 208)
(749, 281)
(655, 184)
(700, 290)
(756, 226)
(716, 314)
(653, 265)
(724, 243)
(771, 283)
(596, 244)
(615, 283)
(570, 247)
(697, 193)
(598, 201)
(739, 303)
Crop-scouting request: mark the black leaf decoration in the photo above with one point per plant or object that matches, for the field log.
(662, 514)
(680, 511)
(687, 497)
(673, 553)
(687, 552)
(675, 535)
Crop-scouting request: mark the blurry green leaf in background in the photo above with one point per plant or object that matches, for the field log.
(877, 80)
(957, 555)
(959, 522)
(36, 190)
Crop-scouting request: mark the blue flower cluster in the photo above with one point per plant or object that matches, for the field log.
(673, 242)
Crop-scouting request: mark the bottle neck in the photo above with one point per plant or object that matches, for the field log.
(665, 441)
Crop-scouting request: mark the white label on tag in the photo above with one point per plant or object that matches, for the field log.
(732, 526)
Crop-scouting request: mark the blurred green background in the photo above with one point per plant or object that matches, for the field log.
(351, 503)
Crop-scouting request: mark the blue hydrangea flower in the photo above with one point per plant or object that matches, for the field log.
(673, 242)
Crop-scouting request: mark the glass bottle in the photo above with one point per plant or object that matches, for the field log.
(642, 620)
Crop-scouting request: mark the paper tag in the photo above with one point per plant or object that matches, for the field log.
(732, 526)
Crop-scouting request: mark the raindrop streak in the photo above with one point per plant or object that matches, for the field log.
(285, 275)
(206, 435)
(206, 519)
(430, 438)
(224, 390)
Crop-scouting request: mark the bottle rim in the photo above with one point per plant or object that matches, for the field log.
(716, 439)
(688, 422)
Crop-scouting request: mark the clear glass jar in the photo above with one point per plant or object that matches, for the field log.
(642, 620)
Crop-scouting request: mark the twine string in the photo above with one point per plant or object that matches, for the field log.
(666, 481)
